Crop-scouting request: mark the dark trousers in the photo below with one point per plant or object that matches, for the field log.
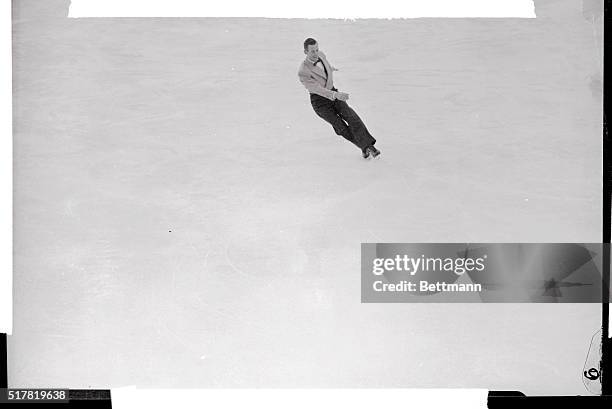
(343, 119)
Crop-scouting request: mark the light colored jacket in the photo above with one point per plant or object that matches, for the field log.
(313, 77)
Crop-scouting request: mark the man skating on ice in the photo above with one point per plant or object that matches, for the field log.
(316, 74)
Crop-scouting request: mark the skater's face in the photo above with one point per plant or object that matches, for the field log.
(312, 52)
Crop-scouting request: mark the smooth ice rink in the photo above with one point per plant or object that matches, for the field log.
(184, 219)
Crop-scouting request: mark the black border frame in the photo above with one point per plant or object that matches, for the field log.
(101, 398)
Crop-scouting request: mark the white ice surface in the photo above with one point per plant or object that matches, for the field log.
(183, 218)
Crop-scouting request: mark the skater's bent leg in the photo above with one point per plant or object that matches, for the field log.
(358, 129)
(328, 113)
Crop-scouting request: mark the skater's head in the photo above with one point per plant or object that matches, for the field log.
(311, 49)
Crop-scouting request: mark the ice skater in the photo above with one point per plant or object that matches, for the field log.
(316, 73)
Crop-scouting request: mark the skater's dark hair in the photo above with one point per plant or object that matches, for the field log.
(309, 41)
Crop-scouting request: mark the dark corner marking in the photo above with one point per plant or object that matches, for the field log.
(3, 363)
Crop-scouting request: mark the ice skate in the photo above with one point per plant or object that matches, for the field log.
(373, 151)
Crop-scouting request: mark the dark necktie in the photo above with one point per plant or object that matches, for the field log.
(324, 69)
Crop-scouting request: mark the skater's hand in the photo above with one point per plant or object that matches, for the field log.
(342, 96)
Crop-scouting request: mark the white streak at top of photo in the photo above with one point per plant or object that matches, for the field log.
(338, 9)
